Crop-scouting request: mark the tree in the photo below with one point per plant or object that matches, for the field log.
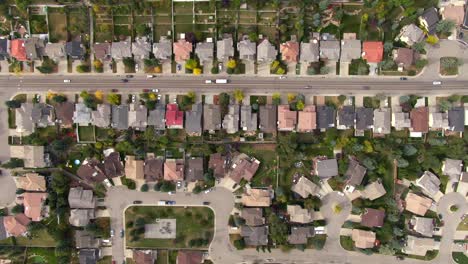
(388, 46)
(276, 98)
(300, 105)
(419, 47)
(98, 66)
(197, 71)
(142, 30)
(113, 98)
(421, 63)
(13, 103)
(59, 98)
(432, 39)
(82, 68)
(191, 64)
(291, 97)
(324, 70)
(231, 64)
(454, 98)
(278, 229)
(239, 244)
(13, 163)
(387, 64)
(445, 26)
(238, 95)
(253, 36)
(99, 94)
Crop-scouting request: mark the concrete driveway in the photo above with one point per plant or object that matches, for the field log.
(8, 193)
(335, 220)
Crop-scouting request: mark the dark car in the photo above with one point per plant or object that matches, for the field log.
(400, 257)
(115, 90)
(125, 80)
(170, 202)
(137, 202)
(122, 233)
(146, 90)
(129, 76)
(206, 203)
(403, 78)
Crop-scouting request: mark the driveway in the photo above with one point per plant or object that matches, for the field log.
(445, 48)
(8, 193)
(335, 219)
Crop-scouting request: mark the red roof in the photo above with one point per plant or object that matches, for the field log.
(18, 51)
(174, 117)
(373, 51)
(420, 119)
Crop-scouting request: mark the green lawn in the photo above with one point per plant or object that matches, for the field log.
(86, 133)
(192, 223)
(41, 255)
(347, 243)
(11, 118)
(459, 257)
(40, 239)
(57, 24)
(430, 255)
(162, 257)
(266, 173)
(106, 260)
(463, 226)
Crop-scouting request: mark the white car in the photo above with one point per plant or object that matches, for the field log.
(155, 90)
(112, 233)
(340, 194)
(133, 98)
(150, 76)
(436, 83)
(67, 81)
(282, 77)
(137, 67)
(209, 190)
(208, 81)
(171, 193)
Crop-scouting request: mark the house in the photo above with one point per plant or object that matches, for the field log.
(297, 214)
(174, 170)
(182, 50)
(4, 48)
(382, 121)
(85, 239)
(400, 120)
(429, 20)
(310, 51)
(287, 119)
(217, 163)
(204, 51)
(64, 114)
(134, 169)
(193, 120)
(157, 117)
(350, 50)
(248, 120)
(81, 217)
(163, 49)
(452, 168)
(405, 57)
(224, 48)
(325, 168)
(43, 115)
(35, 48)
(266, 52)
(101, 117)
(189, 257)
(138, 116)
(113, 166)
(88, 256)
(346, 117)
(363, 239)
(255, 235)
(119, 117)
(247, 49)
(102, 51)
(174, 117)
(16, 225)
(462, 186)
(307, 120)
(305, 187)
(31, 182)
(330, 50)
(438, 120)
(411, 34)
(372, 51)
(18, 50)
(253, 216)
(267, 116)
(355, 173)
(141, 48)
(211, 117)
(80, 198)
(420, 246)
(231, 119)
(417, 204)
(456, 13)
(75, 49)
(420, 119)
(33, 203)
(456, 119)
(33, 156)
(422, 225)
(91, 171)
(243, 167)
(373, 217)
(289, 51)
(144, 256)
(23, 119)
(429, 183)
(325, 117)
(55, 51)
(257, 197)
(121, 49)
(194, 171)
(300, 234)
(82, 114)
(153, 168)
(364, 118)
(374, 190)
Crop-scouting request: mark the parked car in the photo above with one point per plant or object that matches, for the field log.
(208, 190)
(150, 76)
(282, 77)
(112, 232)
(125, 80)
(122, 232)
(208, 81)
(403, 78)
(179, 67)
(206, 203)
(115, 90)
(170, 202)
(129, 76)
(146, 90)
(137, 202)
(155, 90)
(171, 193)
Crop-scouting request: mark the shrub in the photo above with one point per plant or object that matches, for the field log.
(82, 68)
(13, 163)
(144, 188)
(13, 104)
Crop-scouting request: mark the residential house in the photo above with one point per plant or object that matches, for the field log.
(287, 119)
(153, 168)
(350, 50)
(307, 120)
(255, 235)
(456, 119)
(300, 234)
(420, 246)
(400, 120)
(225, 48)
(102, 51)
(217, 163)
(305, 187)
(121, 49)
(33, 203)
(373, 217)
(455, 13)
(422, 225)
(194, 171)
(174, 170)
(429, 183)
(18, 50)
(257, 197)
(297, 214)
(75, 49)
(113, 166)
(354, 174)
(80, 198)
(16, 225)
(374, 190)
(417, 204)
(243, 167)
(81, 217)
(310, 51)
(462, 186)
(144, 256)
(101, 117)
(289, 51)
(211, 117)
(266, 52)
(33, 156)
(364, 118)
(429, 20)
(231, 119)
(138, 116)
(405, 57)
(247, 49)
(91, 171)
(325, 117)
(346, 117)
(32, 182)
(119, 117)
(363, 239)
(267, 116)
(253, 216)
(325, 168)
(43, 115)
(330, 50)
(193, 120)
(438, 120)
(64, 114)
(163, 49)
(174, 117)
(82, 114)
(182, 50)
(419, 120)
(249, 119)
(35, 48)
(86, 239)
(157, 117)
(372, 51)
(411, 34)
(55, 51)
(382, 121)
(189, 257)
(88, 256)
(4, 48)
(141, 48)
(134, 169)
(23, 119)
(204, 51)
(452, 168)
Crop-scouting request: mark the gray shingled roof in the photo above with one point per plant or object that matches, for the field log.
(364, 118)
(330, 49)
(193, 119)
(429, 182)
(255, 235)
(121, 49)
(346, 116)
(327, 168)
(382, 121)
(231, 119)
(310, 51)
(268, 118)
(101, 116)
(194, 171)
(211, 117)
(266, 52)
(120, 117)
(141, 48)
(163, 49)
(224, 48)
(248, 119)
(350, 49)
(157, 117)
(355, 173)
(247, 49)
(456, 118)
(325, 117)
(431, 16)
(204, 51)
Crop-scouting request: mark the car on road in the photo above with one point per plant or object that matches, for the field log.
(179, 184)
(206, 203)
(122, 232)
(67, 81)
(436, 83)
(366, 87)
(125, 80)
(115, 90)
(403, 79)
(112, 233)
(308, 87)
(400, 258)
(208, 81)
(129, 76)
(137, 202)
(170, 202)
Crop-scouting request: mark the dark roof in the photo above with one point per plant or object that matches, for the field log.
(268, 118)
(154, 169)
(355, 173)
(120, 117)
(113, 166)
(364, 118)
(3, 48)
(432, 18)
(189, 257)
(2, 229)
(64, 113)
(406, 57)
(255, 235)
(456, 118)
(85, 239)
(88, 256)
(373, 217)
(92, 171)
(194, 171)
(300, 234)
(253, 216)
(144, 256)
(193, 119)
(346, 116)
(325, 117)
(75, 49)
(217, 164)
(326, 168)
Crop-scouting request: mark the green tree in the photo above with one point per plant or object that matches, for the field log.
(276, 98)
(191, 64)
(13, 163)
(421, 63)
(278, 229)
(419, 47)
(445, 26)
(143, 30)
(82, 68)
(59, 98)
(13, 103)
(239, 244)
(114, 98)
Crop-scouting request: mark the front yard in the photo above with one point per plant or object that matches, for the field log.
(449, 65)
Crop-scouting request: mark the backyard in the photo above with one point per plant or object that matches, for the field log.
(40, 238)
(57, 24)
(267, 172)
(86, 134)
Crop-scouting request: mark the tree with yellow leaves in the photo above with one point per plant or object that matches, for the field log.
(291, 97)
(99, 95)
(197, 71)
(432, 39)
(152, 96)
(238, 95)
(232, 64)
